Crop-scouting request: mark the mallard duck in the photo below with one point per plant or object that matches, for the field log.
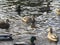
(52, 37)
(58, 11)
(32, 39)
(26, 19)
(4, 25)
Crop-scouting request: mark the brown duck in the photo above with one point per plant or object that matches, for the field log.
(4, 25)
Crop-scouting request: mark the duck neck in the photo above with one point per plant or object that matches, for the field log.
(32, 41)
(50, 31)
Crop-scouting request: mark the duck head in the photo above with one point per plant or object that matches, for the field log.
(7, 20)
(33, 38)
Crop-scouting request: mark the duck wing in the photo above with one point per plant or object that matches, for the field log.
(54, 36)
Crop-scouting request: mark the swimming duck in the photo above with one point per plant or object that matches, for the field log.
(58, 11)
(32, 39)
(4, 25)
(26, 19)
(52, 37)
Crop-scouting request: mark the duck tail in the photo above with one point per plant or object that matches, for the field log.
(57, 41)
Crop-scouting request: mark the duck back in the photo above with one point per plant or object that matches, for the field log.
(4, 25)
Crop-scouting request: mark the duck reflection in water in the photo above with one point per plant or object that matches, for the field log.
(33, 22)
(48, 7)
(18, 9)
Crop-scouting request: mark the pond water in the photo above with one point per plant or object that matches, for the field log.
(22, 31)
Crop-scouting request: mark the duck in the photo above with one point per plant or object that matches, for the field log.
(52, 37)
(4, 25)
(58, 11)
(30, 20)
(31, 41)
(26, 19)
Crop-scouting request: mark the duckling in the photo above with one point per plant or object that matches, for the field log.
(4, 25)
(52, 37)
(58, 11)
(33, 38)
(26, 19)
